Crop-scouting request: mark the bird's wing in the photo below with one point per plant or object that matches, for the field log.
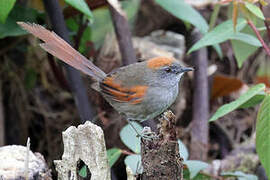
(117, 92)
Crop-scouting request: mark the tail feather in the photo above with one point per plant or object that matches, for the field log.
(62, 50)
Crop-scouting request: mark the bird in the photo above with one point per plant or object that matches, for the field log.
(141, 91)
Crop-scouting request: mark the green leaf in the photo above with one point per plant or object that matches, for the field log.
(248, 39)
(219, 34)
(134, 163)
(113, 155)
(263, 134)
(243, 50)
(202, 176)
(5, 8)
(195, 167)
(248, 177)
(227, 108)
(185, 12)
(10, 28)
(96, 31)
(255, 10)
(257, 99)
(86, 36)
(182, 150)
(83, 172)
(240, 175)
(199, 176)
(81, 6)
(129, 137)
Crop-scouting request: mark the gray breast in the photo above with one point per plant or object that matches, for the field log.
(159, 100)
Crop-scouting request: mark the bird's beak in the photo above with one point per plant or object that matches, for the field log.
(186, 69)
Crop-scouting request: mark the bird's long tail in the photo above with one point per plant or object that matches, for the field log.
(59, 48)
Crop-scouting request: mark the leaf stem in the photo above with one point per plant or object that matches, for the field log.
(127, 152)
(266, 23)
(253, 27)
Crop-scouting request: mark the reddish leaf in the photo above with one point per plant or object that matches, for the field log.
(263, 79)
(223, 86)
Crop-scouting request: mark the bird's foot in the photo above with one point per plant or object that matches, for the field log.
(147, 134)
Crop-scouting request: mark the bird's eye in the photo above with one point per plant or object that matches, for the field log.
(168, 70)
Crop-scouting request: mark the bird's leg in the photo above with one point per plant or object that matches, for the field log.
(129, 122)
(146, 133)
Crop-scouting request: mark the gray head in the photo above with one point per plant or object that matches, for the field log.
(166, 71)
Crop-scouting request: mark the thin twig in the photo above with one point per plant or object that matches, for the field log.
(266, 23)
(78, 37)
(253, 27)
(26, 165)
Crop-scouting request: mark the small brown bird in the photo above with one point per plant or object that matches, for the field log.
(141, 91)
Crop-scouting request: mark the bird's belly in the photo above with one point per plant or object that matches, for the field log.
(161, 100)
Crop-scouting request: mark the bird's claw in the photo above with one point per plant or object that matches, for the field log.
(147, 134)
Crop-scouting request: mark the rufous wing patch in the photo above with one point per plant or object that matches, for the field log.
(133, 95)
(158, 62)
(138, 94)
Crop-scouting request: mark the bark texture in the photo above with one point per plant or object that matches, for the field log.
(160, 157)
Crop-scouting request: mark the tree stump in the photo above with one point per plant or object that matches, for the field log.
(160, 156)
